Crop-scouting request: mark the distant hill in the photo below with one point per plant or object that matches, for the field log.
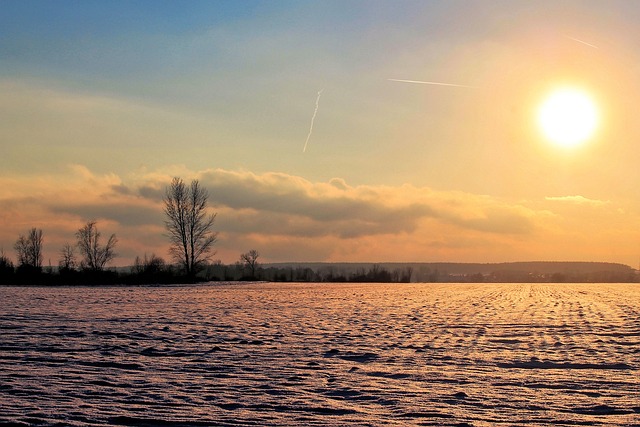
(535, 271)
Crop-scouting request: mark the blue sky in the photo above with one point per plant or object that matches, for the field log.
(103, 96)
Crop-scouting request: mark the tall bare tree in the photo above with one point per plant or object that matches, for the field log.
(189, 225)
(95, 255)
(250, 261)
(29, 249)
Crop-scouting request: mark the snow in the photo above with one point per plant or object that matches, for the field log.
(321, 354)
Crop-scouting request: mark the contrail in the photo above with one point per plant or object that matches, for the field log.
(312, 119)
(430, 83)
(582, 41)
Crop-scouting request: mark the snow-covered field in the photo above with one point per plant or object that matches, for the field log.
(322, 354)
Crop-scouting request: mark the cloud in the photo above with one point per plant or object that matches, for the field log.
(284, 204)
(579, 200)
(285, 216)
(285, 195)
(127, 213)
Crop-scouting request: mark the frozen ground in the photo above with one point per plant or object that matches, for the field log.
(322, 354)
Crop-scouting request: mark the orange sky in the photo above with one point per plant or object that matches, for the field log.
(99, 109)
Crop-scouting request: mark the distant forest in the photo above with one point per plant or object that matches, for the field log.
(190, 232)
(516, 272)
(153, 271)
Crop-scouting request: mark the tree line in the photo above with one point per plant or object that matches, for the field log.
(94, 255)
(189, 229)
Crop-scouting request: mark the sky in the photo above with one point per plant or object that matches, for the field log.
(103, 102)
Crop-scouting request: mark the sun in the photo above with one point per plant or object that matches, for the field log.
(568, 117)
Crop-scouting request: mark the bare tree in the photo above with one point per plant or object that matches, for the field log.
(250, 261)
(189, 225)
(6, 265)
(29, 249)
(149, 265)
(67, 260)
(95, 255)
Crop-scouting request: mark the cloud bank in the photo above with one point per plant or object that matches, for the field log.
(285, 217)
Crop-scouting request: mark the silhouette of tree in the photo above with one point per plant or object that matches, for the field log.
(95, 256)
(189, 225)
(67, 260)
(29, 249)
(149, 265)
(250, 261)
(6, 267)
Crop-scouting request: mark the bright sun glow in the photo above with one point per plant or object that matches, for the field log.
(568, 117)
